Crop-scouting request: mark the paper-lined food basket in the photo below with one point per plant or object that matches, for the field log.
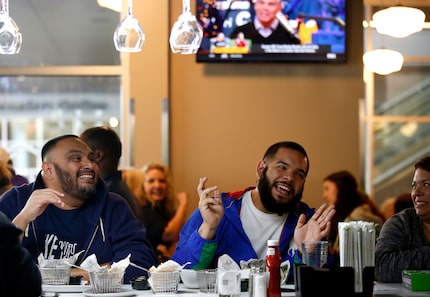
(164, 279)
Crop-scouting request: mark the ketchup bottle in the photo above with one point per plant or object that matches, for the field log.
(273, 265)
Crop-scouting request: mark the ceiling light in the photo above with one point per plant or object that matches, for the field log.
(383, 61)
(115, 5)
(399, 21)
(408, 129)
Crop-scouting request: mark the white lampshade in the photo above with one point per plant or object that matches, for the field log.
(383, 61)
(399, 21)
(115, 5)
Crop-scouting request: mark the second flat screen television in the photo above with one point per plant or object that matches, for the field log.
(272, 30)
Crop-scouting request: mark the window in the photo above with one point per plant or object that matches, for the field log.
(398, 116)
(66, 78)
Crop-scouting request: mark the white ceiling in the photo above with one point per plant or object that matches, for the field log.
(64, 32)
(70, 32)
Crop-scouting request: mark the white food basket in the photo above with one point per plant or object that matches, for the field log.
(164, 282)
(106, 282)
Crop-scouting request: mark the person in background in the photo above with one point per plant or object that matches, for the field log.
(240, 223)
(240, 40)
(5, 178)
(404, 241)
(134, 178)
(107, 148)
(266, 28)
(402, 202)
(69, 209)
(340, 189)
(15, 179)
(387, 207)
(164, 210)
(19, 275)
(396, 204)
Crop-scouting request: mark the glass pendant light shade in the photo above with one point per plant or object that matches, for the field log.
(129, 36)
(10, 36)
(399, 21)
(186, 34)
(383, 61)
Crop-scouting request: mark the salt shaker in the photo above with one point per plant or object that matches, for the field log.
(257, 286)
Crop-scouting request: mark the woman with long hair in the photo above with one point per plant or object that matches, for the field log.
(341, 190)
(164, 210)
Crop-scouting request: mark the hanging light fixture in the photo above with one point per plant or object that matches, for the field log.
(129, 36)
(383, 61)
(399, 21)
(115, 5)
(10, 36)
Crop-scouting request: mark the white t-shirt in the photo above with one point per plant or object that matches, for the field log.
(260, 226)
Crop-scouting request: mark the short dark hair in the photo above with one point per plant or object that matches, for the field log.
(423, 163)
(51, 143)
(273, 149)
(103, 138)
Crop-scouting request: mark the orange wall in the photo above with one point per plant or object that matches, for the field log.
(224, 116)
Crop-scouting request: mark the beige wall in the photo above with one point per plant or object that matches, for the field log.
(224, 116)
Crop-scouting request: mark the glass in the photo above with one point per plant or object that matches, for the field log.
(186, 34)
(129, 35)
(10, 37)
(207, 280)
(315, 253)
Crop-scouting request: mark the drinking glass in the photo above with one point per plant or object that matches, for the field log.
(129, 35)
(10, 37)
(315, 253)
(186, 34)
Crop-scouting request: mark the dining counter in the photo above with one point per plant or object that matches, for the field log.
(379, 290)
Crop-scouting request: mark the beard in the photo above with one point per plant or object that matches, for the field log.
(265, 190)
(67, 185)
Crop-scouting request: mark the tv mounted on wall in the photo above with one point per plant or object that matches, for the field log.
(304, 31)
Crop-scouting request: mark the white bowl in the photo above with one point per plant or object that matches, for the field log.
(189, 278)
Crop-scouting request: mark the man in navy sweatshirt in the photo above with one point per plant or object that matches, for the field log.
(68, 209)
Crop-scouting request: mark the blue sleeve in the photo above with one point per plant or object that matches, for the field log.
(192, 247)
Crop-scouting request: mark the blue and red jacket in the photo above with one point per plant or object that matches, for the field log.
(230, 237)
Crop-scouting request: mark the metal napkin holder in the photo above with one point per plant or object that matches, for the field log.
(331, 281)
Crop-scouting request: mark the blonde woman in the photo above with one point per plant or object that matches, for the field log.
(164, 211)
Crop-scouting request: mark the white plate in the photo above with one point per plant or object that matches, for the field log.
(124, 292)
(64, 288)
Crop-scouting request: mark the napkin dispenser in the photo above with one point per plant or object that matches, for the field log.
(331, 281)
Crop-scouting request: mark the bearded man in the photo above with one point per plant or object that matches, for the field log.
(240, 223)
(68, 210)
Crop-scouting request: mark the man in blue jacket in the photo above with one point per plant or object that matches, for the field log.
(69, 209)
(240, 223)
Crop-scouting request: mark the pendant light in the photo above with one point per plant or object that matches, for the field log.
(399, 21)
(10, 36)
(383, 61)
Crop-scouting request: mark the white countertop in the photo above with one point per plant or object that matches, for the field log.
(380, 289)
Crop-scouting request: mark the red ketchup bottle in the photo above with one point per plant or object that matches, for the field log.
(273, 266)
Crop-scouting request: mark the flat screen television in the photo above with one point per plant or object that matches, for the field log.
(303, 31)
